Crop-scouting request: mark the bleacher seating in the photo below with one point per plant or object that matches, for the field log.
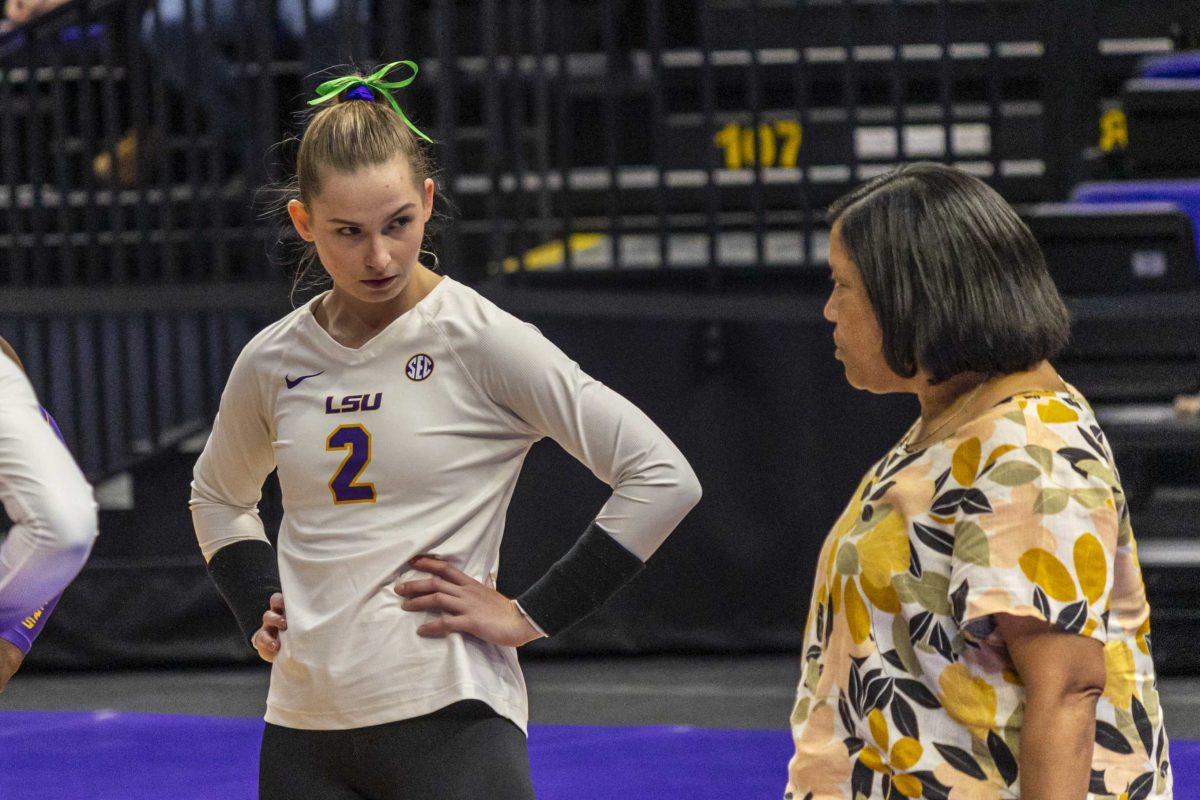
(1163, 116)
(1116, 249)
(639, 143)
(836, 91)
(635, 142)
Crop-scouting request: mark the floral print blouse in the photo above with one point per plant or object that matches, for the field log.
(906, 689)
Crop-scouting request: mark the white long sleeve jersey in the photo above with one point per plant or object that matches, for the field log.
(47, 498)
(406, 446)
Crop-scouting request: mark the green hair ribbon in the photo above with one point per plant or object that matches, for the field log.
(331, 89)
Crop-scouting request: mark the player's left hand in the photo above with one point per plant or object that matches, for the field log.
(10, 661)
(467, 606)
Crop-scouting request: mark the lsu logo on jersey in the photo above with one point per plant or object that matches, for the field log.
(30, 622)
(419, 367)
(353, 402)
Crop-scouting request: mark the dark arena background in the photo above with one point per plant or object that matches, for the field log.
(646, 182)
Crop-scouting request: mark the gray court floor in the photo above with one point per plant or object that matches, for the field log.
(703, 691)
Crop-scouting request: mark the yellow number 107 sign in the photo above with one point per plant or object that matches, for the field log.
(778, 144)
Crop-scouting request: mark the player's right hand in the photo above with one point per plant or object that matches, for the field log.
(266, 639)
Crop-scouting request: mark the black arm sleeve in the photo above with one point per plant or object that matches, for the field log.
(246, 574)
(580, 582)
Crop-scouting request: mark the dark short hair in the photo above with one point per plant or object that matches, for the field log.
(956, 279)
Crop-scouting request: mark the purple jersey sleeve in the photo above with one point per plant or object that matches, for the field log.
(23, 634)
(27, 630)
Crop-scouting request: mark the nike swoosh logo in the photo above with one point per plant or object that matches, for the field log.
(292, 384)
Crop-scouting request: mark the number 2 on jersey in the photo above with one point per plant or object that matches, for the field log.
(356, 440)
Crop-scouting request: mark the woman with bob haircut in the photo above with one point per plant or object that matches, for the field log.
(978, 626)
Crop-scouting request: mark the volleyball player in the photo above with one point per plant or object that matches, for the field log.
(397, 408)
(52, 510)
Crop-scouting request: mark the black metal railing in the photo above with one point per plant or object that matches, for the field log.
(689, 139)
(127, 373)
(681, 137)
(740, 120)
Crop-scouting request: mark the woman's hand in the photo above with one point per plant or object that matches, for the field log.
(468, 606)
(266, 638)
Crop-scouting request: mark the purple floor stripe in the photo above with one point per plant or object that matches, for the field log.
(111, 756)
(106, 756)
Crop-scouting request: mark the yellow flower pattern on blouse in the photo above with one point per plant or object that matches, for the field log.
(906, 690)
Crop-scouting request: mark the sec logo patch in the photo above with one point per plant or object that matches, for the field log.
(419, 367)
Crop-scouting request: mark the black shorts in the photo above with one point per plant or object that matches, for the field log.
(465, 750)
